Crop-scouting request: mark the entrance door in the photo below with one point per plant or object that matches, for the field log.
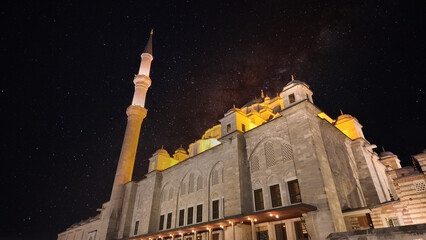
(280, 232)
(262, 235)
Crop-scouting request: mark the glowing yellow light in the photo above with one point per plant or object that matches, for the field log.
(276, 216)
(270, 215)
(255, 220)
(221, 226)
(248, 218)
(229, 222)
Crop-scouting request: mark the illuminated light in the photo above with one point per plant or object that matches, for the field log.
(255, 220)
(276, 216)
(270, 215)
(221, 226)
(229, 222)
(208, 228)
(180, 233)
(248, 218)
(193, 231)
(170, 235)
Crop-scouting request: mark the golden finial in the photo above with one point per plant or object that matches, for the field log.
(277, 95)
(233, 106)
(341, 112)
(261, 94)
(162, 147)
(292, 77)
(152, 31)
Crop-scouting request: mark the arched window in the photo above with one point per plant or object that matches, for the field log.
(215, 177)
(199, 183)
(191, 183)
(183, 189)
(171, 193)
(255, 164)
(270, 154)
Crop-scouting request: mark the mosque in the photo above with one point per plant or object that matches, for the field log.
(275, 168)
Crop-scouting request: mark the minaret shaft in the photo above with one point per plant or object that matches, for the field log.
(135, 116)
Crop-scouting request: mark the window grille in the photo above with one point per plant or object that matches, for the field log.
(255, 163)
(287, 152)
(420, 186)
(270, 154)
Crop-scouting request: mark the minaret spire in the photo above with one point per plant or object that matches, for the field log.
(142, 80)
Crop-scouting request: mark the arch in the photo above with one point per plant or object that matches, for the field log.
(182, 189)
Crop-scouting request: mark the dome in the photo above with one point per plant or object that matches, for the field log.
(386, 154)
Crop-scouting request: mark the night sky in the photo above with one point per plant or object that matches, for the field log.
(67, 72)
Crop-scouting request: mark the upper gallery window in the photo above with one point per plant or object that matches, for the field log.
(169, 220)
(181, 217)
(228, 128)
(258, 200)
(291, 98)
(161, 223)
(294, 191)
(136, 228)
(275, 195)
(215, 207)
(190, 218)
(199, 213)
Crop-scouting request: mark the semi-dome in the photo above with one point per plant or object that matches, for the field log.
(181, 150)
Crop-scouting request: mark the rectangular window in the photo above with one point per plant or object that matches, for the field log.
(275, 195)
(181, 217)
(190, 218)
(393, 222)
(294, 191)
(136, 228)
(215, 207)
(258, 200)
(301, 232)
(199, 213)
(161, 223)
(228, 128)
(169, 220)
(243, 127)
(291, 98)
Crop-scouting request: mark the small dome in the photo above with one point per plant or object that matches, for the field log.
(181, 150)
(344, 116)
(161, 151)
(386, 154)
(295, 82)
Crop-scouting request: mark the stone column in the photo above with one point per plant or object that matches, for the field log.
(233, 230)
(210, 234)
(253, 230)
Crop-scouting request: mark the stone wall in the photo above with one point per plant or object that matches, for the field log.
(412, 232)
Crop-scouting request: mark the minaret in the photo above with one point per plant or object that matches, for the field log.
(135, 115)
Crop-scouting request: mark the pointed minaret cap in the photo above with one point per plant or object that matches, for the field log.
(148, 47)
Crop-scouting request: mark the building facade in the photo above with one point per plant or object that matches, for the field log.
(276, 168)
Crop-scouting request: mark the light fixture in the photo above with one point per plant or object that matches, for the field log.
(255, 220)
(229, 222)
(221, 226)
(193, 231)
(248, 218)
(276, 216)
(180, 233)
(270, 215)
